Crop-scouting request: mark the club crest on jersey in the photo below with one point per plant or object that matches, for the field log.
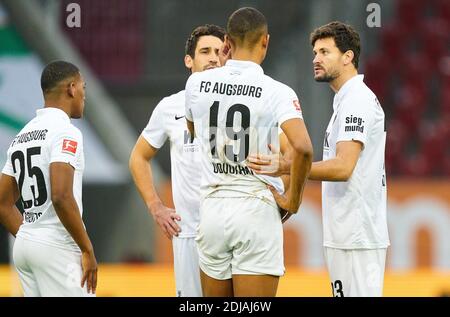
(297, 105)
(69, 146)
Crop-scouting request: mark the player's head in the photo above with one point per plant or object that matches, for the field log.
(336, 47)
(247, 29)
(62, 82)
(202, 47)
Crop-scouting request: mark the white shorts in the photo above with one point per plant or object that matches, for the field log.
(356, 273)
(48, 271)
(240, 236)
(187, 272)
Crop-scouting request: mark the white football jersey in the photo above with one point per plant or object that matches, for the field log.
(236, 110)
(354, 212)
(168, 121)
(49, 137)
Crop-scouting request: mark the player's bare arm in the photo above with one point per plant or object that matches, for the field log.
(191, 128)
(141, 171)
(340, 168)
(10, 216)
(298, 138)
(61, 179)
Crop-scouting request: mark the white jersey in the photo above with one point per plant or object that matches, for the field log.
(168, 121)
(48, 138)
(354, 212)
(236, 110)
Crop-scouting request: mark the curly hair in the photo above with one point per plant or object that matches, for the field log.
(345, 37)
(207, 29)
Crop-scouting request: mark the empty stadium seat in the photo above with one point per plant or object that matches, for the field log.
(408, 11)
(394, 38)
(434, 37)
(417, 165)
(397, 138)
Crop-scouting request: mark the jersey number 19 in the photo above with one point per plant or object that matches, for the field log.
(242, 134)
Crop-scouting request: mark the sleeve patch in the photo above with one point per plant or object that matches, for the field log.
(69, 146)
(297, 105)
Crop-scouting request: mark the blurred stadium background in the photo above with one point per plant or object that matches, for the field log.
(131, 53)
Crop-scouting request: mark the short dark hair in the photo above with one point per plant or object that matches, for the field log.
(344, 35)
(202, 30)
(246, 25)
(55, 72)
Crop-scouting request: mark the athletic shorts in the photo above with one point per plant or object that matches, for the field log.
(187, 271)
(45, 270)
(240, 236)
(356, 273)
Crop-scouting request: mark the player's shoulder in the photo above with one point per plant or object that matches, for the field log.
(194, 78)
(172, 101)
(278, 87)
(206, 75)
(173, 98)
(68, 129)
(359, 92)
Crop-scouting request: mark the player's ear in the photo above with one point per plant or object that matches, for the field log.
(348, 57)
(265, 40)
(71, 89)
(188, 61)
(228, 41)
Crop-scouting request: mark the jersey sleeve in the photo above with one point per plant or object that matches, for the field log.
(155, 132)
(355, 119)
(286, 105)
(67, 147)
(190, 96)
(8, 168)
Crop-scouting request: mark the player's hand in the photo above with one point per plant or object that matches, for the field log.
(283, 201)
(89, 265)
(271, 164)
(224, 53)
(165, 218)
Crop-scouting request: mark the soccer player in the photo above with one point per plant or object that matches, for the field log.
(353, 174)
(52, 252)
(168, 122)
(234, 110)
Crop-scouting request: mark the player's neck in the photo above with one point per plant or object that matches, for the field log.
(240, 54)
(58, 104)
(337, 83)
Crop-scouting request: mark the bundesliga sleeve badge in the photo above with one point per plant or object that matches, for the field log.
(69, 146)
(297, 105)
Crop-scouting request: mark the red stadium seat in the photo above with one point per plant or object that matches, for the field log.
(414, 53)
(417, 165)
(377, 70)
(434, 37)
(394, 38)
(446, 165)
(442, 9)
(416, 66)
(411, 104)
(445, 99)
(409, 11)
(397, 138)
(432, 143)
